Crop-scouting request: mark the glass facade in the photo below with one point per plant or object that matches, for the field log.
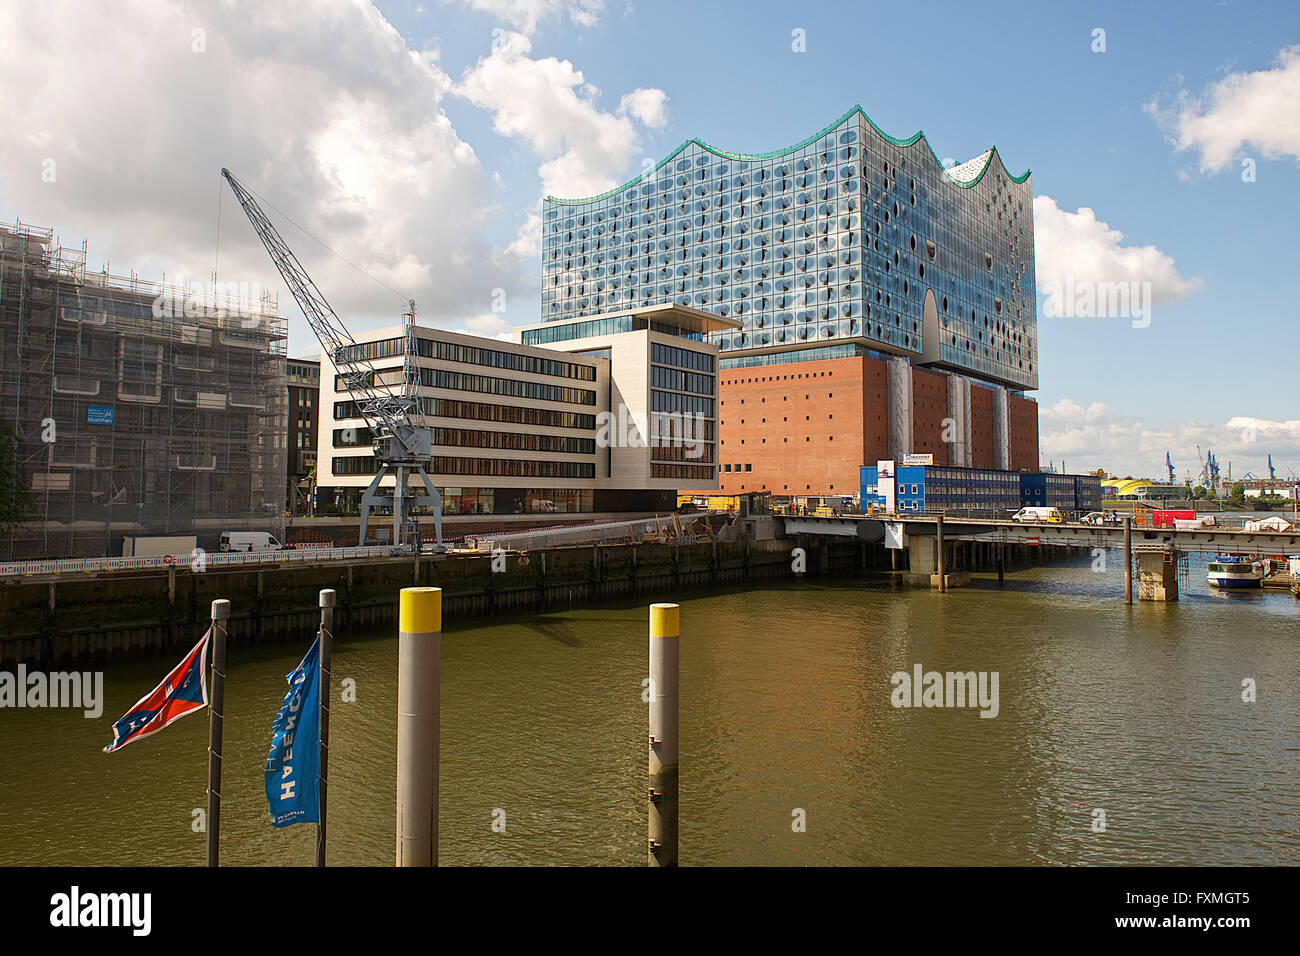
(843, 236)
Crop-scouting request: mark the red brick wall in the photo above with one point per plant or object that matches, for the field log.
(815, 445)
(802, 427)
(929, 409)
(983, 454)
(1023, 428)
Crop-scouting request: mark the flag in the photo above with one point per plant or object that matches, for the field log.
(293, 765)
(181, 692)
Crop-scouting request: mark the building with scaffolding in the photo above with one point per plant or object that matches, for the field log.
(139, 408)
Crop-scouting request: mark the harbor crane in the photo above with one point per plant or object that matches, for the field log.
(401, 447)
(1169, 466)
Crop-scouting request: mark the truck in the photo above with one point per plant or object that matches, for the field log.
(159, 546)
(249, 541)
(1038, 515)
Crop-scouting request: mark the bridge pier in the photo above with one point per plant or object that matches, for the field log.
(1157, 576)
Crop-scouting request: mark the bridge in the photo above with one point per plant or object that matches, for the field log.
(928, 541)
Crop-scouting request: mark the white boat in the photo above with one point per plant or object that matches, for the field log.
(1234, 571)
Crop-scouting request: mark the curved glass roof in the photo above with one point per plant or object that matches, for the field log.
(918, 136)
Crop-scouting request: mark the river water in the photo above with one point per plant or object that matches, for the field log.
(786, 714)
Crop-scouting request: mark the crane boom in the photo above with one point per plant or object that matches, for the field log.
(400, 446)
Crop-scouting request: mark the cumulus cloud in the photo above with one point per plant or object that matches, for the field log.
(548, 104)
(320, 107)
(1095, 436)
(525, 15)
(1259, 110)
(1074, 248)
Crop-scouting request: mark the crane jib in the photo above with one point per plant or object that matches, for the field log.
(401, 447)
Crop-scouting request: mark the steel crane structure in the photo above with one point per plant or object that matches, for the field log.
(402, 448)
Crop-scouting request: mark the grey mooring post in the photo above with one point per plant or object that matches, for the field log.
(664, 633)
(326, 640)
(419, 652)
(1128, 559)
(938, 551)
(216, 712)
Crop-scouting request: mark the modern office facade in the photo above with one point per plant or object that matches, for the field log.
(940, 489)
(851, 246)
(302, 376)
(560, 427)
(138, 407)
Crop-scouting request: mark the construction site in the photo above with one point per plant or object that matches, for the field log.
(138, 407)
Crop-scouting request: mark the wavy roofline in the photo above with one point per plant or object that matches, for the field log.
(919, 135)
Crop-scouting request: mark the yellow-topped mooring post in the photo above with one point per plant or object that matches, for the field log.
(664, 633)
(419, 680)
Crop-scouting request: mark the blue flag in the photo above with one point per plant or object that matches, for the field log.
(293, 766)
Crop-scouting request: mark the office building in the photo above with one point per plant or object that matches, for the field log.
(571, 418)
(851, 255)
(303, 379)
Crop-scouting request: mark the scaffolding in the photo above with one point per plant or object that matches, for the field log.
(139, 407)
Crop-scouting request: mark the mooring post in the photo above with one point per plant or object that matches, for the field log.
(1128, 559)
(1001, 560)
(419, 653)
(664, 632)
(938, 551)
(327, 596)
(216, 712)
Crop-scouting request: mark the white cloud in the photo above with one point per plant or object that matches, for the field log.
(328, 115)
(1095, 436)
(548, 104)
(1240, 111)
(1077, 247)
(528, 243)
(648, 106)
(524, 15)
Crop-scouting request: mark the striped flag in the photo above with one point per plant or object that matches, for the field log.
(181, 692)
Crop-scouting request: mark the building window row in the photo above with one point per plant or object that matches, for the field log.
(680, 381)
(681, 358)
(498, 467)
(692, 472)
(671, 402)
(538, 391)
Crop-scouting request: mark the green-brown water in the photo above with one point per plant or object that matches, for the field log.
(785, 704)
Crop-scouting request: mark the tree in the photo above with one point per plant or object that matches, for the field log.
(14, 497)
(1238, 492)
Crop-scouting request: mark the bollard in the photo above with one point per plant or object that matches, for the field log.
(327, 596)
(418, 688)
(1128, 559)
(664, 631)
(938, 551)
(216, 713)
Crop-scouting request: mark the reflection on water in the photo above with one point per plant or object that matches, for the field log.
(785, 704)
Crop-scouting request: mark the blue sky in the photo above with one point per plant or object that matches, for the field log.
(325, 109)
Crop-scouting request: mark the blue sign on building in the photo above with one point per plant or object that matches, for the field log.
(99, 414)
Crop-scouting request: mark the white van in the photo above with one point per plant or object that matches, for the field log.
(1036, 515)
(249, 541)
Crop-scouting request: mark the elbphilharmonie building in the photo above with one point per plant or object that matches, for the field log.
(852, 255)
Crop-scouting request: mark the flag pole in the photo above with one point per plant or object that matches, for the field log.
(216, 711)
(326, 639)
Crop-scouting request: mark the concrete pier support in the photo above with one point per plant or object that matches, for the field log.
(1157, 576)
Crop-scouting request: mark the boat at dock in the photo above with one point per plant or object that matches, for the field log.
(1234, 571)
